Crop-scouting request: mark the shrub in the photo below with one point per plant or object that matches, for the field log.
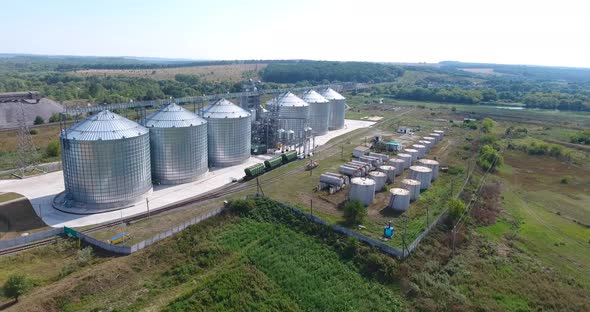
(85, 255)
(54, 117)
(53, 149)
(456, 170)
(355, 212)
(39, 120)
(489, 158)
(487, 125)
(15, 286)
(566, 179)
(242, 207)
(34, 131)
(456, 208)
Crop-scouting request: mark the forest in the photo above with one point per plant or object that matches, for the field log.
(317, 72)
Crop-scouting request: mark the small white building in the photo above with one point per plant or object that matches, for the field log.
(360, 151)
(404, 130)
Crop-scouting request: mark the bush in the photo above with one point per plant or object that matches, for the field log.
(456, 208)
(54, 117)
(15, 286)
(53, 149)
(489, 158)
(566, 179)
(582, 137)
(39, 120)
(34, 131)
(487, 125)
(85, 255)
(355, 212)
(456, 170)
(242, 207)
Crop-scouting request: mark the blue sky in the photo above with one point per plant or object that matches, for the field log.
(501, 31)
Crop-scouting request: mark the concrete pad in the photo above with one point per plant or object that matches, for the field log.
(41, 189)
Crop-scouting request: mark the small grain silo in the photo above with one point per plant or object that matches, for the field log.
(389, 172)
(432, 164)
(106, 164)
(399, 200)
(293, 113)
(228, 133)
(319, 111)
(422, 174)
(380, 179)
(399, 165)
(414, 152)
(178, 144)
(421, 149)
(413, 186)
(407, 158)
(337, 108)
(363, 190)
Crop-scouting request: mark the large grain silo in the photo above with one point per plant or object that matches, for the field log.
(422, 174)
(106, 164)
(228, 133)
(413, 186)
(337, 108)
(363, 190)
(399, 200)
(319, 111)
(292, 113)
(178, 143)
(432, 164)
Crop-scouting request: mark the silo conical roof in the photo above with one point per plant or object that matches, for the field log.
(224, 109)
(288, 99)
(105, 125)
(330, 94)
(173, 116)
(310, 96)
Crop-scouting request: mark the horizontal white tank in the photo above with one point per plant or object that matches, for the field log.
(437, 137)
(332, 180)
(422, 174)
(363, 190)
(355, 163)
(380, 179)
(389, 172)
(413, 186)
(383, 157)
(376, 162)
(421, 149)
(399, 200)
(407, 158)
(399, 164)
(338, 175)
(414, 152)
(350, 171)
(432, 164)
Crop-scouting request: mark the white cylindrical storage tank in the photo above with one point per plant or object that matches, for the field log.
(432, 164)
(428, 144)
(413, 186)
(178, 144)
(106, 164)
(414, 152)
(399, 165)
(229, 132)
(430, 139)
(422, 174)
(389, 172)
(337, 108)
(421, 149)
(363, 190)
(319, 111)
(292, 114)
(400, 199)
(437, 137)
(440, 132)
(380, 179)
(407, 158)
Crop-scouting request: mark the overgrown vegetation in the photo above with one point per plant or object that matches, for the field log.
(355, 212)
(582, 137)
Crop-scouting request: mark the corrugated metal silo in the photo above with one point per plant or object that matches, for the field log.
(228, 133)
(337, 108)
(407, 158)
(399, 200)
(422, 174)
(380, 179)
(178, 143)
(432, 164)
(106, 164)
(319, 111)
(399, 165)
(413, 186)
(293, 113)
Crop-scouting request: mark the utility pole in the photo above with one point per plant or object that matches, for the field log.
(147, 203)
(311, 206)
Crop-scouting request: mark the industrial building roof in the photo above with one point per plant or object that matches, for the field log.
(105, 125)
(330, 94)
(310, 96)
(173, 116)
(223, 109)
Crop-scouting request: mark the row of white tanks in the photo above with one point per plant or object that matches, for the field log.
(311, 111)
(110, 162)
(420, 176)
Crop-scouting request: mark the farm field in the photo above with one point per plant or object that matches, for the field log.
(212, 73)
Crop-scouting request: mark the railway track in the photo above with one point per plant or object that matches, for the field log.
(233, 188)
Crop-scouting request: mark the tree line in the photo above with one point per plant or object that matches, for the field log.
(320, 71)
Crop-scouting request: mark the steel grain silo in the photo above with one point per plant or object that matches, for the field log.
(228, 133)
(292, 113)
(178, 144)
(337, 108)
(106, 164)
(319, 111)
